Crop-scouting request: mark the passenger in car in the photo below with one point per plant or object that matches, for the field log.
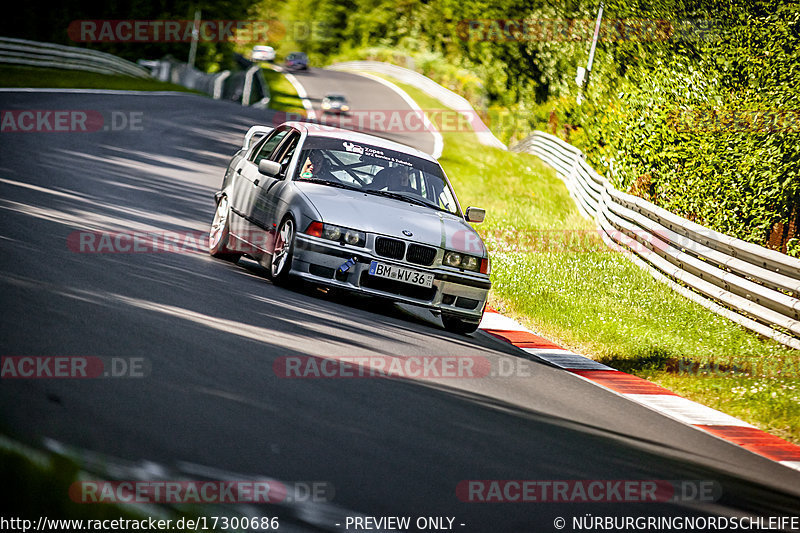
(393, 179)
(400, 181)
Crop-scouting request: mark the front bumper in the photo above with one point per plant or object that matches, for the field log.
(453, 292)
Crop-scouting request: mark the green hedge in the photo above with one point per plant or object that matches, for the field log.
(692, 105)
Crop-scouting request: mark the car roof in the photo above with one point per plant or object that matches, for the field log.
(323, 131)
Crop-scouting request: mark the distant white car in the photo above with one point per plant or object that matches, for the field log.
(335, 103)
(263, 53)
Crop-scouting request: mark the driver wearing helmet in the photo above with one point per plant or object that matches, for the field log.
(317, 166)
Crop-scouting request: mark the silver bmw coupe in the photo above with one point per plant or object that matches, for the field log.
(355, 212)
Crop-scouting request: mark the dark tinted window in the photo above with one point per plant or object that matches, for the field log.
(268, 145)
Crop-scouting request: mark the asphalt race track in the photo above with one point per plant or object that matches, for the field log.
(211, 332)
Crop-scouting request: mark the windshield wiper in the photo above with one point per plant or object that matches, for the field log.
(405, 198)
(331, 183)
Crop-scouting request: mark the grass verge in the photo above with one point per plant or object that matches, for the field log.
(283, 97)
(13, 76)
(42, 481)
(551, 272)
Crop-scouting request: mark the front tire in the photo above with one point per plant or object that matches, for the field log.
(219, 235)
(461, 326)
(282, 254)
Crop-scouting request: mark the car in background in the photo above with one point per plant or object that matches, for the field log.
(336, 104)
(355, 212)
(296, 61)
(263, 53)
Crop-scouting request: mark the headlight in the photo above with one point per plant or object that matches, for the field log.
(326, 105)
(353, 237)
(469, 262)
(345, 108)
(452, 259)
(463, 261)
(331, 232)
(337, 233)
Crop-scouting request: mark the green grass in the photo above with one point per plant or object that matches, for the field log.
(13, 76)
(551, 272)
(283, 97)
(42, 481)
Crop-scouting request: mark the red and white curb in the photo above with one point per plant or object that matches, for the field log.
(644, 392)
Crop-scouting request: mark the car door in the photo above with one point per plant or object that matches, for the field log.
(246, 184)
(266, 206)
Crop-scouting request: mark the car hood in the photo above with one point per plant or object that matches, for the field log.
(389, 217)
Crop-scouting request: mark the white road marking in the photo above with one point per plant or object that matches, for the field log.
(500, 322)
(301, 92)
(566, 359)
(686, 411)
(791, 464)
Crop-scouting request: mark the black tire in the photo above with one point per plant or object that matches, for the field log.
(219, 234)
(281, 262)
(462, 326)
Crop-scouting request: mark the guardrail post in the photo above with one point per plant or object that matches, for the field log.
(221, 77)
(248, 84)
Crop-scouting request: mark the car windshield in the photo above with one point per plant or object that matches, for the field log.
(377, 171)
(336, 98)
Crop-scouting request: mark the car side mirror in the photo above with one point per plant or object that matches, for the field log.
(475, 214)
(269, 168)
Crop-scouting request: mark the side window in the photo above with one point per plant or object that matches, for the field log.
(285, 151)
(268, 146)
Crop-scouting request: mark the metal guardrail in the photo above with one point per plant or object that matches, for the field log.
(429, 87)
(48, 55)
(754, 286)
(238, 86)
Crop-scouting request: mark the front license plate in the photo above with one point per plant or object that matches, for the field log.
(398, 273)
